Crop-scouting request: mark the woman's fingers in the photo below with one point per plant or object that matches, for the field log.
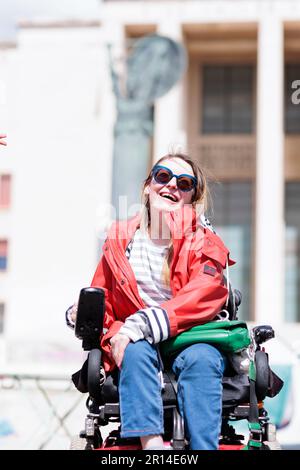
(2, 141)
(118, 353)
(119, 357)
(74, 312)
(118, 346)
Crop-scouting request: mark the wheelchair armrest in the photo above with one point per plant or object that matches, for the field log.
(90, 314)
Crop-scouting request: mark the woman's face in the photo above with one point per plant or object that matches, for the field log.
(160, 195)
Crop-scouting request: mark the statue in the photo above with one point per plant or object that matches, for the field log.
(154, 66)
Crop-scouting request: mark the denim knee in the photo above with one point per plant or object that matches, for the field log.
(139, 354)
(201, 358)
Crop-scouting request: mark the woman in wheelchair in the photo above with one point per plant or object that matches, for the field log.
(162, 273)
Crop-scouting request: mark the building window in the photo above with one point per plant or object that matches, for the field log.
(5, 188)
(227, 99)
(231, 216)
(2, 309)
(3, 255)
(292, 252)
(292, 110)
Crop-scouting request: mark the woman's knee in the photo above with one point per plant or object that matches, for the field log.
(204, 358)
(138, 353)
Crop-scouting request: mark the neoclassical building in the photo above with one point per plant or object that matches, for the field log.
(233, 111)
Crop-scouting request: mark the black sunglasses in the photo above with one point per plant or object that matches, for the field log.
(163, 175)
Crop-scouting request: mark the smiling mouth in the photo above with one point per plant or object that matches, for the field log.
(170, 197)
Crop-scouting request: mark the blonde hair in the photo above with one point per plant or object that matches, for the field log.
(199, 203)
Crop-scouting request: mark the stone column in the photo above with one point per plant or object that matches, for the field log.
(269, 253)
(113, 35)
(169, 131)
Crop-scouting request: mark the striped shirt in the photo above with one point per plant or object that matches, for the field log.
(147, 259)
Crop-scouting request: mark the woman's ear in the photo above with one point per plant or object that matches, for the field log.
(146, 190)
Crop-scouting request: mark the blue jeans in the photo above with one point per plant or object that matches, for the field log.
(198, 370)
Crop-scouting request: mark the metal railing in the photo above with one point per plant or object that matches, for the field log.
(38, 411)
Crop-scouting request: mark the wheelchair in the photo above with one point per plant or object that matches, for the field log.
(242, 399)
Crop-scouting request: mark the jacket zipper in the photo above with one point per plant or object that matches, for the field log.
(122, 262)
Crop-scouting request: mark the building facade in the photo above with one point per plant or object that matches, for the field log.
(236, 114)
(49, 179)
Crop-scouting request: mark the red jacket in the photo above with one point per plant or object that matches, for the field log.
(196, 276)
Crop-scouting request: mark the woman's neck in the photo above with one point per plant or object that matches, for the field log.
(158, 230)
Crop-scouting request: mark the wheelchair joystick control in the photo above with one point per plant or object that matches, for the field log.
(90, 314)
(263, 333)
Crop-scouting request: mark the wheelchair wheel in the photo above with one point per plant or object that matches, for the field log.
(270, 445)
(262, 374)
(79, 443)
(269, 437)
(93, 379)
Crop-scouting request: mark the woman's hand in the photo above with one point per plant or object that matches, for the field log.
(2, 141)
(118, 345)
(73, 312)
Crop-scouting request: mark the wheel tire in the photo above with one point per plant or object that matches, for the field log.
(94, 365)
(262, 374)
(272, 445)
(79, 443)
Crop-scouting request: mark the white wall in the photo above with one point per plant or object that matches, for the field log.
(61, 174)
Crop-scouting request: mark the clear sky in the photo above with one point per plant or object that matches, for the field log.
(13, 10)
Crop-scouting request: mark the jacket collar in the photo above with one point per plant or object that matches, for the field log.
(181, 222)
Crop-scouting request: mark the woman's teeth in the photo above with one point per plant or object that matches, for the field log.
(170, 197)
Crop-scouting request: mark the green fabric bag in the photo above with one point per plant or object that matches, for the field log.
(228, 336)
